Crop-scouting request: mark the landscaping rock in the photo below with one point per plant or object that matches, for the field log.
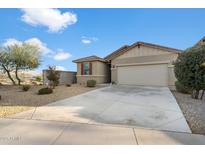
(193, 110)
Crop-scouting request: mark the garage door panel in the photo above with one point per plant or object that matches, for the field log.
(148, 75)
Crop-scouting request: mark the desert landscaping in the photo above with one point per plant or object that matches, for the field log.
(14, 99)
(193, 110)
(20, 91)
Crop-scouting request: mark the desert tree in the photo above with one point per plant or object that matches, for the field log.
(53, 76)
(6, 62)
(25, 57)
(15, 58)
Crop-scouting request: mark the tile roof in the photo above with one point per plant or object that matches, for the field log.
(125, 48)
(90, 58)
(117, 52)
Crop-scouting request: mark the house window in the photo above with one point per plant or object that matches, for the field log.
(85, 69)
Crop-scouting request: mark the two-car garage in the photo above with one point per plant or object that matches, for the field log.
(146, 75)
(144, 64)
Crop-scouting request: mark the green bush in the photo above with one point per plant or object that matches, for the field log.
(113, 82)
(45, 91)
(91, 83)
(189, 69)
(38, 78)
(181, 88)
(53, 76)
(26, 87)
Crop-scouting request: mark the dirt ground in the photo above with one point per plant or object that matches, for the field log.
(193, 110)
(15, 100)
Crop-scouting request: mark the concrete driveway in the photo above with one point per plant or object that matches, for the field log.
(130, 106)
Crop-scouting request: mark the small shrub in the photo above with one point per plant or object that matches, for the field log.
(91, 83)
(53, 76)
(26, 87)
(68, 85)
(45, 91)
(38, 78)
(181, 88)
(113, 82)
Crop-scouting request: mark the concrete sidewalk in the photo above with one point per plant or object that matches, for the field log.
(21, 131)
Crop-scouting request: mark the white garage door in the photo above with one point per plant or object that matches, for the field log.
(146, 75)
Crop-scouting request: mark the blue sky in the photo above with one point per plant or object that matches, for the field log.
(68, 34)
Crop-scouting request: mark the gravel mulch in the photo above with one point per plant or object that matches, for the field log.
(193, 110)
(14, 100)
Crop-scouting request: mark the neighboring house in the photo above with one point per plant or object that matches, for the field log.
(138, 64)
(66, 77)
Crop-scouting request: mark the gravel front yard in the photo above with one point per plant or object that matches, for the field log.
(194, 111)
(14, 100)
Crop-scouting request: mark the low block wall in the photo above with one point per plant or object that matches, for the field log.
(66, 77)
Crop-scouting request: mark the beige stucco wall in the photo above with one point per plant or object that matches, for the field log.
(144, 55)
(145, 59)
(100, 73)
(114, 75)
(83, 79)
(172, 78)
(94, 67)
(143, 51)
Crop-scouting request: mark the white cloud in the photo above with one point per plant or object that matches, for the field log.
(58, 55)
(85, 41)
(61, 68)
(42, 46)
(33, 41)
(11, 41)
(51, 18)
(61, 55)
(88, 40)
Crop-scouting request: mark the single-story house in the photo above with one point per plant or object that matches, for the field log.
(141, 63)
